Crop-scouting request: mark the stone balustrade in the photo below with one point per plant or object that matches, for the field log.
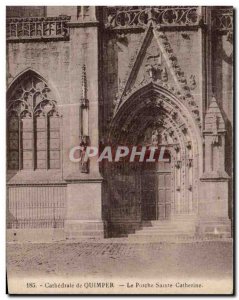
(223, 20)
(46, 28)
(139, 17)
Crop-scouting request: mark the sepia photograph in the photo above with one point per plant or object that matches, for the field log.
(119, 150)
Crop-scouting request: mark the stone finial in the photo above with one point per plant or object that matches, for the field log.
(84, 100)
(214, 120)
(86, 13)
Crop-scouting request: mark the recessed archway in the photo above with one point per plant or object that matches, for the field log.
(175, 190)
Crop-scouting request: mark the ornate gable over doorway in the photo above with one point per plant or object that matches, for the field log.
(154, 61)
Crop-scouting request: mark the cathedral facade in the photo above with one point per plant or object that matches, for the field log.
(119, 76)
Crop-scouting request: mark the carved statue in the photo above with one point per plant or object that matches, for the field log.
(84, 163)
(155, 137)
(164, 75)
(154, 68)
(192, 82)
(164, 138)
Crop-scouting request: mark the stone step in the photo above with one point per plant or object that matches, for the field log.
(156, 233)
(218, 228)
(160, 227)
(146, 223)
(160, 238)
(218, 224)
(218, 235)
(186, 226)
(183, 221)
(162, 224)
(84, 234)
(164, 230)
(84, 226)
(170, 227)
(85, 238)
(172, 221)
(184, 216)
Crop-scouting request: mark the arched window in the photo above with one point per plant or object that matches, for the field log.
(33, 125)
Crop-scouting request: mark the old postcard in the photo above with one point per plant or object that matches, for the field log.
(119, 149)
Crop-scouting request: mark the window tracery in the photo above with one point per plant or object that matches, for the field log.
(33, 126)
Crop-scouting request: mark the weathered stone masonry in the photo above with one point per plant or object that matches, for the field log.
(118, 75)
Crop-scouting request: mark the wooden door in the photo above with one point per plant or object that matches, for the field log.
(164, 191)
(148, 192)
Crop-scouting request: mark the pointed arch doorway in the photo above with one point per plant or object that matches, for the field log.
(160, 190)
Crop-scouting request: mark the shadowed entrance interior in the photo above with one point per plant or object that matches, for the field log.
(142, 192)
(138, 192)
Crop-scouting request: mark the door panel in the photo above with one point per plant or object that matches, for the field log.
(164, 195)
(167, 181)
(156, 192)
(160, 181)
(148, 197)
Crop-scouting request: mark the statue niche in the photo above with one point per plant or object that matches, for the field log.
(154, 68)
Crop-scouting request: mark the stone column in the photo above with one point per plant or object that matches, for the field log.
(213, 200)
(84, 188)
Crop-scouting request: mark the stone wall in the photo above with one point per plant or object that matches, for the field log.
(104, 55)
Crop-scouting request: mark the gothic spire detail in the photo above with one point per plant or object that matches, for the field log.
(84, 100)
(214, 120)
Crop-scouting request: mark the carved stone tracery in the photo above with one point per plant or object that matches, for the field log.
(223, 20)
(33, 125)
(139, 17)
(31, 97)
(48, 28)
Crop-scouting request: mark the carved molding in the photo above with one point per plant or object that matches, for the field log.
(139, 17)
(29, 29)
(128, 121)
(222, 20)
(189, 163)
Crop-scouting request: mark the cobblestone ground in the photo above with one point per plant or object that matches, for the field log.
(201, 259)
